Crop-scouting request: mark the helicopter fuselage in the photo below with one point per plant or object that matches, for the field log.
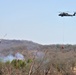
(66, 14)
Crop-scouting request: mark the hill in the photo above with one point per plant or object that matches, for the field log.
(8, 44)
(25, 47)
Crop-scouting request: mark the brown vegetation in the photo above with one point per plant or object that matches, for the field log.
(41, 60)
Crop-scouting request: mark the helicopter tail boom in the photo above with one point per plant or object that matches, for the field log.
(74, 14)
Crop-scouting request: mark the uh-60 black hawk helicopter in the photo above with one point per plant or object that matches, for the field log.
(66, 14)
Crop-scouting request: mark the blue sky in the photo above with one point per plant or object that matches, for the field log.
(38, 21)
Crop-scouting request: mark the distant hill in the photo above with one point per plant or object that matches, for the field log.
(12, 44)
(8, 46)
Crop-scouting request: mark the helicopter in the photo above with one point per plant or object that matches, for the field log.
(66, 14)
